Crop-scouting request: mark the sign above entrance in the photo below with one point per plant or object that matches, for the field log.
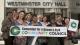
(36, 3)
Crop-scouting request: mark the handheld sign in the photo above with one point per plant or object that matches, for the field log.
(73, 25)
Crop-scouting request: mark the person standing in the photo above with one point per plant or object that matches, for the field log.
(34, 23)
(59, 23)
(71, 34)
(53, 40)
(6, 24)
(45, 22)
(25, 20)
(20, 40)
(66, 24)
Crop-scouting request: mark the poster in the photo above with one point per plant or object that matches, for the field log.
(73, 25)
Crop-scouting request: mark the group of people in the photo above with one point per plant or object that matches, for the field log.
(27, 19)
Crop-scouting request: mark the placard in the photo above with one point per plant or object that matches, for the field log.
(73, 25)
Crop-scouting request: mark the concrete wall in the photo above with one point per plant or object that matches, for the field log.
(1, 13)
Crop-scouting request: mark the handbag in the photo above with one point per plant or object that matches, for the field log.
(74, 41)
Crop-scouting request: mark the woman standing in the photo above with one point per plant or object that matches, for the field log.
(25, 21)
(66, 24)
(67, 40)
(45, 21)
(59, 23)
(20, 40)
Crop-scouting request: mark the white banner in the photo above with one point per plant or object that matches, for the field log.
(73, 25)
(38, 31)
(36, 3)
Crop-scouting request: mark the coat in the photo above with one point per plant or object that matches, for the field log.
(6, 24)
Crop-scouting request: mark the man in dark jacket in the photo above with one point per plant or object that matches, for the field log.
(59, 23)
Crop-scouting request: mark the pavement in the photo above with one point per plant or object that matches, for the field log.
(78, 43)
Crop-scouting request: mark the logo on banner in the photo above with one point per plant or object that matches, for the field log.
(73, 24)
(15, 30)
